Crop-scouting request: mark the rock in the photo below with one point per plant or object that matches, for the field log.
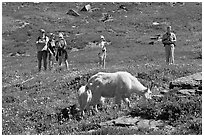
(143, 124)
(121, 121)
(74, 50)
(164, 91)
(155, 124)
(155, 23)
(123, 7)
(187, 91)
(189, 82)
(73, 13)
(151, 43)
(86, 8)
(138, 123)
(106, 17)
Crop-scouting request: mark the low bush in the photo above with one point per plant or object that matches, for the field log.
(175, 110)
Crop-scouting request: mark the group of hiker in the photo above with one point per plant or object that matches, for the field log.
(57, 49)
(50, 48)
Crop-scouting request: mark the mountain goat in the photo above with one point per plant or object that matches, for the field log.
(118, 85)
(85, 100)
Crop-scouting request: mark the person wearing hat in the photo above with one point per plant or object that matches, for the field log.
(169, 40)
(51, 50)
(102, 53)
(62, 55)
(41, 45)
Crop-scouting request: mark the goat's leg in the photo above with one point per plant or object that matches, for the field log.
(118, 102)
(127, 101)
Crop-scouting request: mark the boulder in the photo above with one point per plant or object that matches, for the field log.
(123, 7)
(73, 13)
(86, 8)
(106, 17)
(121, 121)
(187, 91)
(128, 121)
(190, 82)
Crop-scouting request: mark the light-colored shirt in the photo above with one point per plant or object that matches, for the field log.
(103, 46)
(168, 38)
(41, 43)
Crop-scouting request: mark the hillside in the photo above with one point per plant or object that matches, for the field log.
(39, 103)
(21, 22)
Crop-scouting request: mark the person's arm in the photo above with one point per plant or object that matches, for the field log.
(164, 39)
(37, 41)
(65, 44)
(173, 38)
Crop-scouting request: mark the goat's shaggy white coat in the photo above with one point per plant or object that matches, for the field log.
(118, 85)
(85, 99)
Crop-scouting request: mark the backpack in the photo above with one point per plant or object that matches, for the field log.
(62, 43)
(42, 46)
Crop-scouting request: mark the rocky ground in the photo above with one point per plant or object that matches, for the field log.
(44, 103)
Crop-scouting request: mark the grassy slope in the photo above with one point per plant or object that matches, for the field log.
(48, 93)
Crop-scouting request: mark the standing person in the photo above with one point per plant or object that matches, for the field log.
(102, 53)
(51, 50)
(169, 39)
(41, 44)
(62, 54)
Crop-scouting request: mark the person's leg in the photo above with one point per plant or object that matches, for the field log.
(99, 57)
(172, 54)
(66, 60)
(104, 60)
(60, 57)
(167, 52)
(39, 56)
(45, 59)
(66, 64)
(49, 61)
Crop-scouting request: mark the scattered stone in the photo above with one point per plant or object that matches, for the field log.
(172, 4)
(121, 121)
(73, 13)
(151, 43)
(17, 54)
(106, 17)
(123, 7)
(95, 9)
(189, 82)
(164, 91)
(74, 50)
(136, 123)
(156, 23)
(86, 8)
(92, 45)
(187, 91)
(143, 124)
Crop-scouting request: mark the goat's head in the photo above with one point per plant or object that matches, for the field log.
(148, 92)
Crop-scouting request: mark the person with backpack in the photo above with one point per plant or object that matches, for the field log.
(169, 40)
(62, 55)
(51, 50)
(41, 45)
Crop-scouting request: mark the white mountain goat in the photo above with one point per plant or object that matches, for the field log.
(85, 100)
(118, 85)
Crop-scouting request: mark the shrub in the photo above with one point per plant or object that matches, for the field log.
(174, 109)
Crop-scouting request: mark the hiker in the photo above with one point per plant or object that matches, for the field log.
(102, 53)
(51, 50)
(169, 39)
(62, 54)
(41, 44)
